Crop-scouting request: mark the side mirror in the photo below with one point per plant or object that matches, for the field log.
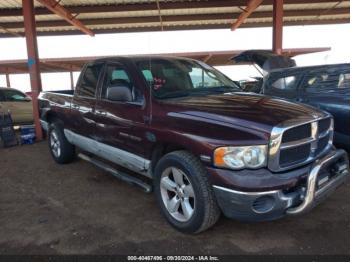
(119, 93)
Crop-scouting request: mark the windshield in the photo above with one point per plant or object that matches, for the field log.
(170, 78)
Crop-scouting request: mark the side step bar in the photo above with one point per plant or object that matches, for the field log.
(120, 175)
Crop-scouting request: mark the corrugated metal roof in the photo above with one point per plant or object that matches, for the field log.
(142, 15)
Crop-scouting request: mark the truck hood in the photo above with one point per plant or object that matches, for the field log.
(247, 110)
(266, 60)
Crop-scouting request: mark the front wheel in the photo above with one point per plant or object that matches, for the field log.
(184, 193)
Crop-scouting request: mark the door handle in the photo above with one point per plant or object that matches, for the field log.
(76, 106)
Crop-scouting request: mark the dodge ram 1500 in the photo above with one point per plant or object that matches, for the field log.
(208, 147)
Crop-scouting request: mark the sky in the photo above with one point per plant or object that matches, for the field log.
(334, 36)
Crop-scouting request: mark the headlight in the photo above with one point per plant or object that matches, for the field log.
(241, 157)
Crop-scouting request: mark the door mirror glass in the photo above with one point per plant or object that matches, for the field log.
(119, 93)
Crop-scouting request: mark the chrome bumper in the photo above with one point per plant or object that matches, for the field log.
(311, 194)
(270, 205)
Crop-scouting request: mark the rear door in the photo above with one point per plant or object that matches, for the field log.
(84, 100)
(19, 105)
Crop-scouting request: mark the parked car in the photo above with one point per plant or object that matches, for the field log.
(207, 146)
(325, 86)
(18, 104)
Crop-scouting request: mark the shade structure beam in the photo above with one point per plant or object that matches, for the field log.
(33, 61)
(61, 11)
(252, 5)
(277, 32)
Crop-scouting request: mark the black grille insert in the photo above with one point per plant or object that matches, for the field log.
(297, 133)
(296, 155)
(323, 125)
(322, 143)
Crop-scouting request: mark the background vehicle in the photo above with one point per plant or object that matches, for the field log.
(208, 147)
(19, 105)
(326, 87)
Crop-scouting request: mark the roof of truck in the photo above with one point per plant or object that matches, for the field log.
(141, 57)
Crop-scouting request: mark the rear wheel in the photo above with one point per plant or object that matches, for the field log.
(61, 150)
(184, 193)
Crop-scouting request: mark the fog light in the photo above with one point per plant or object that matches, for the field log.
(263, 204)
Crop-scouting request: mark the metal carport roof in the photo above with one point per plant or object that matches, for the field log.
(107, 16)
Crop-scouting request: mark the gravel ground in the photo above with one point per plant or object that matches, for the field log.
(46, 208)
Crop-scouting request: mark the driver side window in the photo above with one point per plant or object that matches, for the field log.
(117, 75)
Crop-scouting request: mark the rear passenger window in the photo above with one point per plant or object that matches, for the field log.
(327, 80)
(89, 81)
(344, 81)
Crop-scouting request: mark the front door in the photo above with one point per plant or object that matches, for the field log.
(119, 122)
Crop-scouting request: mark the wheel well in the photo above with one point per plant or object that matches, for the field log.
(162, 149)
(52, 117)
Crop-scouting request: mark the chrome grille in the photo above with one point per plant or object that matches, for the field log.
(299, 143)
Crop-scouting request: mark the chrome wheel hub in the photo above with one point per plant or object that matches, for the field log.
(177, 194)
(55, 144)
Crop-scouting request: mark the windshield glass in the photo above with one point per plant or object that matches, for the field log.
(170, 78)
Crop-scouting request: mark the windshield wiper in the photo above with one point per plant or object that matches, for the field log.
(220, 89)
(174, 94)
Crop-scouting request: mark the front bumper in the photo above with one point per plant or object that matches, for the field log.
(322, 178)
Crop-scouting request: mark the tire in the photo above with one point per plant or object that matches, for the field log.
(61, 150)
(193, 207)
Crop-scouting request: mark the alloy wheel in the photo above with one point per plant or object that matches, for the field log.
(177, 194)
(55, 144)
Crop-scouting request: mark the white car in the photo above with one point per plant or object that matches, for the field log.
(18, 104)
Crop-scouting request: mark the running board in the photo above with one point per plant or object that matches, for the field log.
(120, 175)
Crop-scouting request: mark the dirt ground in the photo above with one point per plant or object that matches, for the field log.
(46, 208)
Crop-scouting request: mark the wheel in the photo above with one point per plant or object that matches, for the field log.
(184, 193)
(61, 150)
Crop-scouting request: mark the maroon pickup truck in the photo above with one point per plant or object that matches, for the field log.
(207, 146)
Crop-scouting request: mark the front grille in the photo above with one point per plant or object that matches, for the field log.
(294, 155)
(299, 144)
